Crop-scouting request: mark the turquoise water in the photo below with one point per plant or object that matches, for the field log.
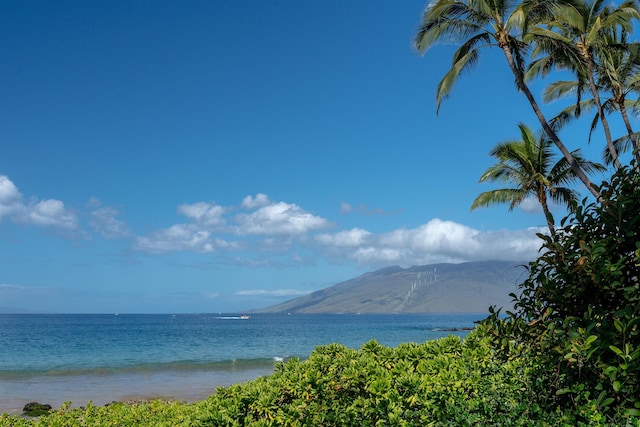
(58, 358)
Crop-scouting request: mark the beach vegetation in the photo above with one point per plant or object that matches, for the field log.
(578, 313)
(449, 381)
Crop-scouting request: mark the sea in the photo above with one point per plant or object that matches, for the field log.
(58, 358)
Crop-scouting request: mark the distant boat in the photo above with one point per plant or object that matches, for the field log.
(243, 317)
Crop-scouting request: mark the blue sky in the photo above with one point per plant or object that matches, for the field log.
(219, 156)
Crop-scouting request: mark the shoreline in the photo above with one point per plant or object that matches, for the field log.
(188, 386)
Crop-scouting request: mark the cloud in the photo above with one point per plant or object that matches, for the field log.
(206, 214)
(52, 213)
(258, 201)
(530, 205)
(433, 242)
(43, 213)
(211, 295)
(353, 237)
(4, 287)
(104, 221)
(347, 208)
(279, 218)
(280, 222)
(10, 198)
(181, 237)
(273, 292)
(8, 191)
(286, 234)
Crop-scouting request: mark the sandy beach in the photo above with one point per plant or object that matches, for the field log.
(189, 386)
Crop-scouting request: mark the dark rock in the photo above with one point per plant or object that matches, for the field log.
(35, 409)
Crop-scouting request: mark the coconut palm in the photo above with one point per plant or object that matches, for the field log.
(575, 39)
(618, 75)
(490, 23)
(528, 164)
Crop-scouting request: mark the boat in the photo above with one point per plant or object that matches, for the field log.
(243, 317)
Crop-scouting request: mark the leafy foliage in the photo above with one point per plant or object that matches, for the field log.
(578, 313)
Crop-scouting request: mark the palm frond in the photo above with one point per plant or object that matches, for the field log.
(560, 89)
(563, 196)
(447, 20)
(494, 197)
(624, 144)
(572, 112)
(451, 77)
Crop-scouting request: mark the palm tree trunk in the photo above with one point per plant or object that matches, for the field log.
(542, 198)
(545, 125)
(627, 123)
(603, 119)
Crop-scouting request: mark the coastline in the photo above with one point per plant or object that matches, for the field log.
(188, 386)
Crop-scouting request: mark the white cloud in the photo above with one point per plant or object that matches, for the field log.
(279, 218)
(281, 222)
(52, 213)
(104, 221)
(206, 214)
(284, 233)
(273, 292)
(44, 213)
(8, 191)
(11, 204)
(260, 200)
(530, 205)
(433, 242)
(179, 237)
(353, 237)
(182, 237)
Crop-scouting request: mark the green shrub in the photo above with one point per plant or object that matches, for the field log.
(578, 311)
(443, 382)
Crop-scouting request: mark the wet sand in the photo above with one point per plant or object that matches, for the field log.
(189, 386)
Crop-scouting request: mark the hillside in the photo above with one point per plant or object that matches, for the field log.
(438, 288)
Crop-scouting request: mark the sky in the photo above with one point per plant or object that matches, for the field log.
(219, 156)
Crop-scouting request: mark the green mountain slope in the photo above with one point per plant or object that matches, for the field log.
(438, 288)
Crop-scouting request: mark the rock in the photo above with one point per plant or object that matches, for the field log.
(35, 409)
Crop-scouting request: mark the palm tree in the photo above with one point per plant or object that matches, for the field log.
(618, 74)
(490, 23)
(529, 165)
(576, 38)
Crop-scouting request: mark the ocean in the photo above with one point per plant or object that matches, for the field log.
(101, 358)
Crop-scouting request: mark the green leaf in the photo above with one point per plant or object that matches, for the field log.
(618, 325)
(616, 350)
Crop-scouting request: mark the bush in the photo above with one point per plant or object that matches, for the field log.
(578, 311)
(446, 382)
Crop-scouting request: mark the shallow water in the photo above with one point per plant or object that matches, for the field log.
(57, 358)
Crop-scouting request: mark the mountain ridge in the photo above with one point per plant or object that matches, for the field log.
(469, 287)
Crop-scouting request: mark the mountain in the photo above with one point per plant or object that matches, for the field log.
(469, 287)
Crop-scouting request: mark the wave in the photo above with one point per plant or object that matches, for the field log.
(173, 366)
